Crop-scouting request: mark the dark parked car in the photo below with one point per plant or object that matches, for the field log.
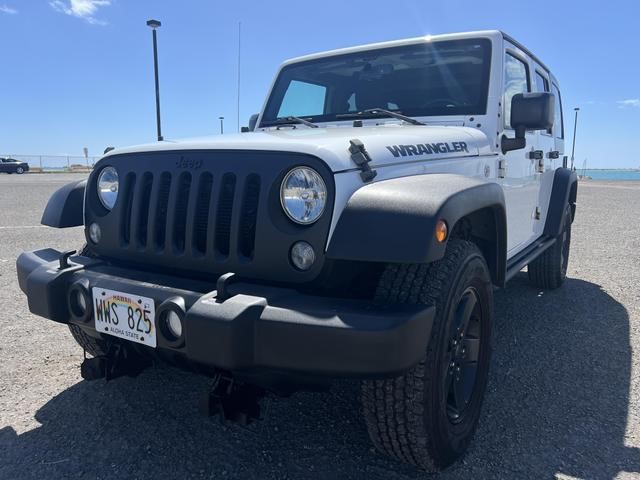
(11, 165)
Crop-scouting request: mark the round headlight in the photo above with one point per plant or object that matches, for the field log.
(108, 187)
(303, 195)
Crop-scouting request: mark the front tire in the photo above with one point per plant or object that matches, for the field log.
(549, 270)
(428, 415)
(20, 170)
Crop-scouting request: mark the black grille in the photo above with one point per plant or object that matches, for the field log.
(162, 204)
(249, 215)
(127, 194)
(197, 215)
(180, 222)
(223, 217)
(143, 212)
(201, 218)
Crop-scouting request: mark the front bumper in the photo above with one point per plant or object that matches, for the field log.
(256, 327)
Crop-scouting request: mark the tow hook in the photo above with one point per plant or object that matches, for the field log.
(118, 362)
(233, 401)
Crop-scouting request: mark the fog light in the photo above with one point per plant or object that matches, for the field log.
(95, 234)
(173, 324)
(302, 255)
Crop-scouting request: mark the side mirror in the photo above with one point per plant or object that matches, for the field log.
(253, 120)
(529, 111)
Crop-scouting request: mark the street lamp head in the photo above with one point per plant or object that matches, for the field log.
(154, 23)
(220, 118)
(577, 109)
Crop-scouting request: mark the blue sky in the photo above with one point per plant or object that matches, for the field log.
(79, 73)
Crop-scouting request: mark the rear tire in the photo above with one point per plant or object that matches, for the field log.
(549, 270)
(428, 415)
(93, 346)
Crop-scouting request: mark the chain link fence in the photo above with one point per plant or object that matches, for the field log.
(55, 163)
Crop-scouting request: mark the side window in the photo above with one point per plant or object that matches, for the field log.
(516, 80)
(542, 84)
(558, 121)
(303, 99)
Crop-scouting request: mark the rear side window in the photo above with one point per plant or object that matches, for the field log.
(516, 80)
(542, 84)
(302, 98)
(558, 122)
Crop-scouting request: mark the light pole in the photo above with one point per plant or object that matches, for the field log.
(575, 126)
(155, 24)
(221, 125)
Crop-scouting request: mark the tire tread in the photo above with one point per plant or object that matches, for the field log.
(394, 408)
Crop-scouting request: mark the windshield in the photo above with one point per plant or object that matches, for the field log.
(428, 79)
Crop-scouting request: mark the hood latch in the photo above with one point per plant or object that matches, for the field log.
(361, 158)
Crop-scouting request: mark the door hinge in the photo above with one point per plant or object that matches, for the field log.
(553, 155)
(537, 213)
(540, 166)
(502, 168)
(536, 155)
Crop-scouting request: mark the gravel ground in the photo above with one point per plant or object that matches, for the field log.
(562, 401)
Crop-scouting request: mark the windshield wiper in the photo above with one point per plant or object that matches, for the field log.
(381, 112)
(290, 121)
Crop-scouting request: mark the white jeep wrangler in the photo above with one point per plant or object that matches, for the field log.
(356, 229)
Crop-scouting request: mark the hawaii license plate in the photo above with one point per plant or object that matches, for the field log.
(123, 315)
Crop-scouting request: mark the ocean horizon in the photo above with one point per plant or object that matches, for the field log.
(621, 174)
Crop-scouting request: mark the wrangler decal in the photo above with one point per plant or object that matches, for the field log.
(427, 148)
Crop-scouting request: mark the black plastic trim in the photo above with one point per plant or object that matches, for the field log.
(564, 192)
(64, 208)
(393, 221)
(256, 328)
(238, 233)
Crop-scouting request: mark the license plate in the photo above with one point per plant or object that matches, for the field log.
(123, 315)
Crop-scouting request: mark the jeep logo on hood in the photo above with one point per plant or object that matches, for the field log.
(427, 148)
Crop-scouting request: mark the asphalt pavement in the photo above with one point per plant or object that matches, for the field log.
(562, 400)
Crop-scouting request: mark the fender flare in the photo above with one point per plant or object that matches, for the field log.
(563, 192)
(65, 208)
(393, 221)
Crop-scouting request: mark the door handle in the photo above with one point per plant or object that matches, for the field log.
(553, 154)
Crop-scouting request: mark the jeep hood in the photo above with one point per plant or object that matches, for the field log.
(386, 144)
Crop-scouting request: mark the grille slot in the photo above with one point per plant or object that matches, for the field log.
(125, 223)
(161, 210)
(224, 213)
(182, 202)
(143, 213)
(201, 216)
(249, 215)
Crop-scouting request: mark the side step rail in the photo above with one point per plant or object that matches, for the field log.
(528, 255)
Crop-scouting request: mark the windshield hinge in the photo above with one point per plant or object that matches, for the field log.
(361, 158)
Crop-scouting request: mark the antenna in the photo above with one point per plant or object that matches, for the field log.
(238, 88)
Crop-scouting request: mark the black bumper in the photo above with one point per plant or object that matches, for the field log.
(256, 327)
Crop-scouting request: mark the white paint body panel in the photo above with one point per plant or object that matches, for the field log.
(524, 188)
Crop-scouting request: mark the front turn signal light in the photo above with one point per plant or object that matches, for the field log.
(441, 231)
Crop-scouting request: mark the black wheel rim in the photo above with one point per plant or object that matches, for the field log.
(463, 354)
